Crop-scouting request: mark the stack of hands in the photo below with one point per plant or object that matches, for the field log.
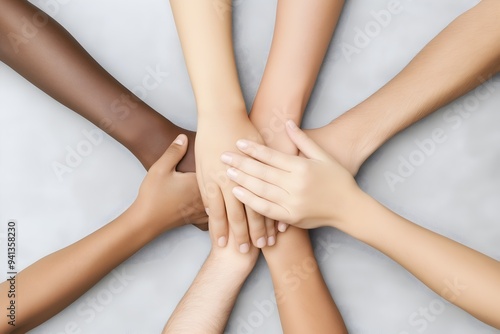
(260, 180)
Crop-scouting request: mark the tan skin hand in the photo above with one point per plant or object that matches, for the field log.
(180, 200)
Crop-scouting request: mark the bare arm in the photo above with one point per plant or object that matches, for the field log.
(460, 58)
(204, 28)
(305, 305)
(42, 51)
(54, 282)
(207, 305)
(302, 33)
(318, 191)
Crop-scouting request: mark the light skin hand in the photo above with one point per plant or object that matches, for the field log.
(205, 32)
(459, 274)
(225, 211)
(289, 188)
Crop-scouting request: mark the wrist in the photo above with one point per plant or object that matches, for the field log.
(230, 263)
(221, 109)
(145, 220)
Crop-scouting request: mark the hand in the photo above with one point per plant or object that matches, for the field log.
(216, 135)
(168, 199)
(271, 126)
(305, 192)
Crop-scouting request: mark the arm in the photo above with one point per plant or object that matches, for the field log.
(304, 303)
(319, 192)
(54, 282)
(302, 33)
(431, 80)
(204, 28)
(207, 305)
(47, 55)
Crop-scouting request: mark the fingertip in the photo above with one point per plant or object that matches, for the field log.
(222, 242)
(242, 144)
(181, 140)
(292, 126)
(282, 227)
(238, 192)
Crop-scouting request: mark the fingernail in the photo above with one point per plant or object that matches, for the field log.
(271, 241)
(226, 158)
(180, 140)
(232, 173)
(261, 243)
(242, 144)
(244, 248)
(282, 227)
(291, 125)
(207, 210)
(238, 192)
(222, 242)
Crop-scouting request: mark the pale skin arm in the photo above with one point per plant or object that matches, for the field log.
(302, 33)
(317, 191)
(304, 302)
(207, 305)
(204, 28)
(48, 286)
(460, 58)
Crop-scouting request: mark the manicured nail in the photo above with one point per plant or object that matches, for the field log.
(222, 242)
(242, 144)
(261, 243)
(238, 192)
(282, 227)
(291, 125)
(271, 241)
(232, 173)
(180, 140)
(226, 158)
(244, 248)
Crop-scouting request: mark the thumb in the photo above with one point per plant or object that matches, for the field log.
(173, 154)
(306, 145)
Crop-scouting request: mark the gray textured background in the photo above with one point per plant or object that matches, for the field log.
(454, 191)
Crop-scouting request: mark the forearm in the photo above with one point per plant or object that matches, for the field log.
(205, 31)
(459, 274)
(302, 33)
(54, 282)
(207, 305)
(460, 58)
(49, 57)
(304, 302)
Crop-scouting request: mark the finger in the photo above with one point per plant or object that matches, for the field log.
(306, 145)
(266, 155)
(253, 167)
(174, 153)
(260, 188)
(217, 221)
(271, 231)
(261, 205)
(282, 227)
(237, 222)
(257, 228)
